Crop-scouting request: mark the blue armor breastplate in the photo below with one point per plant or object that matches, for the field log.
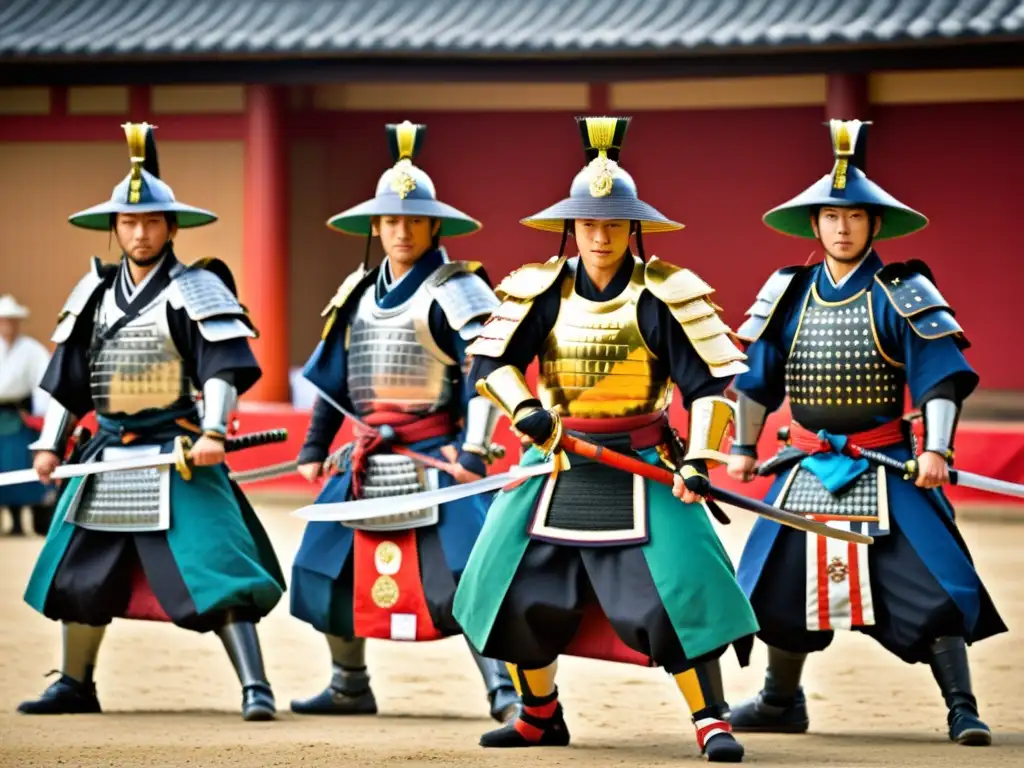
(838, 377)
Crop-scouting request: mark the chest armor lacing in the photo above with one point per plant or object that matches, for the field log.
(595, 363)
(393, 361)
(838, 377)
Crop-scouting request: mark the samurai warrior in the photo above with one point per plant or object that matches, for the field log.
(137, 343)
(593, 561)
(392, 360)
(843, 339)
(23, 362)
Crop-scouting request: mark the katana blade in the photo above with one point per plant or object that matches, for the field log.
(956, 476)
(92, 468)
(178, 457)
(983, 483)
(268, 472)
(389, 506)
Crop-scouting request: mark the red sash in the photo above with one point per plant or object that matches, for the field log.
(890, 433)
(388, 601)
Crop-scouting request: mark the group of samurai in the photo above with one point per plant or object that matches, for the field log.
(421, 357)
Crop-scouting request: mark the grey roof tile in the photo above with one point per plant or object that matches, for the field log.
(506, 28)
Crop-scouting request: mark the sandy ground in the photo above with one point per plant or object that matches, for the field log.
(171, 698)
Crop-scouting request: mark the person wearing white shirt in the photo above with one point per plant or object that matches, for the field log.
(23, 361)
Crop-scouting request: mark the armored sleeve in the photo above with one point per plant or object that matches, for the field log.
(918, 329)
(211, 328)
(230, 359)
(66, 379)
(763, 386)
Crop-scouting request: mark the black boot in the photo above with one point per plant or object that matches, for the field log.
(952, 673)
(781, 706)
(501, 691)
(540, 722)
(349, 691)
(67, 696)
(74, 693)
(243, 647)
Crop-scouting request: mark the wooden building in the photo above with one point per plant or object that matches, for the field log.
(271, 115)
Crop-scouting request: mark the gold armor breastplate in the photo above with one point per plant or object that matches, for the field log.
(595, 363)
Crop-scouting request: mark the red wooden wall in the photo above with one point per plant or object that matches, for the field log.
(718, 171)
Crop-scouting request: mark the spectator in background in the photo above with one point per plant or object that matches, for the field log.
(23, 361)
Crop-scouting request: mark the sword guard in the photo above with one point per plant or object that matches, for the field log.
(183, 456)
(911, 467)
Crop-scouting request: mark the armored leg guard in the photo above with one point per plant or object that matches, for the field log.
(704, 693)
(349, 691)
(539, 722)
(781, 706)
(952, 673)
(75, 692)
(501, 691)
(243, 647)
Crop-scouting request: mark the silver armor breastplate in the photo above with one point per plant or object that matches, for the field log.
(139, 368)
(837, 376)
(393, 361)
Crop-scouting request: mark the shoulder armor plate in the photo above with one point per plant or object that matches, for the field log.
(516, 293)
(768, 298)
(346, 291)
(462, 295)
(910, 290)
(79, 298)
(687, 297)
(209, 301)
(531, 280)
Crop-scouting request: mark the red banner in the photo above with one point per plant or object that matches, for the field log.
(388, 600)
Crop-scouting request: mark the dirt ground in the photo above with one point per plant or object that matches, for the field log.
(171, 697)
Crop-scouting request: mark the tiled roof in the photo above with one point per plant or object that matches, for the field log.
(57, 29)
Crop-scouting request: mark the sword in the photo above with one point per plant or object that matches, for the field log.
(388, 434)
(180, 458)
(268, 472)
(352, 511)
(612, 458)
(390, 506)
(956, 476)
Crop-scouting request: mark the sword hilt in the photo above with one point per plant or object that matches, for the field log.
(255, 439)
(183, 447)
(908, 468)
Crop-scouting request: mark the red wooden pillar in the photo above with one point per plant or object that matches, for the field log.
(264, 284)
(846, 97)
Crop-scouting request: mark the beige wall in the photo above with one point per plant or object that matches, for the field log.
(42, 256)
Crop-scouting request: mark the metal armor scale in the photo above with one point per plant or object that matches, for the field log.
(393, 361)
(838, 377)
(594, 362)
(394, 364)
(139, 368)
